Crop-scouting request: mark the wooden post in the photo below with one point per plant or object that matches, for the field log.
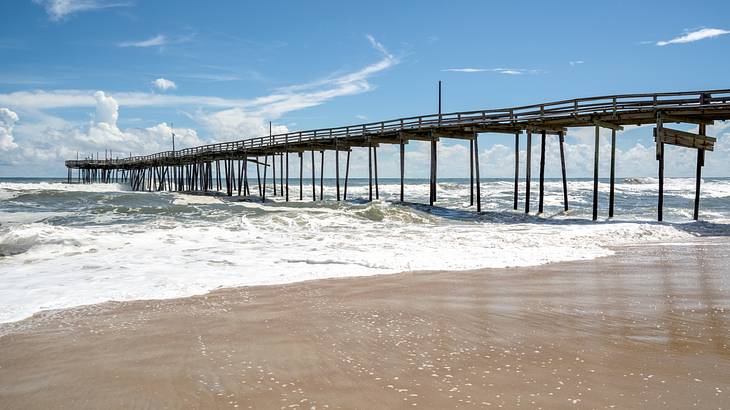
(347, 174)
(321, 176)
(517, 169)
(281, 178)
(562, 168)
(273, 172)
(301, 175)
(314, 186)
(476, 165)
(375, 158)
(247, 190)
(370, 172)
(471, 172)
(433, 171)
(266, 167)
(700, 164)
(612, 183)
(337, 170)
(286, 198)
(595, 172)
(660, 157)
(542, 172)
(528, 171)
(258, 175)
(402, 167)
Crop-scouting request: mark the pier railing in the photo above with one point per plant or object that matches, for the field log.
(514, 116)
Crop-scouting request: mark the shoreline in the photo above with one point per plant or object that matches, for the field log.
(630, 330)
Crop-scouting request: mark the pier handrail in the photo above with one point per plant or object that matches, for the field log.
(508, 116)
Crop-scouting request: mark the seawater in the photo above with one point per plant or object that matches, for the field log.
(64, 245)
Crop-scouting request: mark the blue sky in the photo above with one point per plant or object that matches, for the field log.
(89, 75)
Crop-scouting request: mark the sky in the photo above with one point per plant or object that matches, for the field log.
(86, 76)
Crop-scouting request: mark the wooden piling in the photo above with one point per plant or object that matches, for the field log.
(314, 186)
(263, 188)
(561, 138)
(347, 174)
(595, 172)
(476, 169)
(432, 197)
(528, 171)
(375, 160)
(337, 171)
(660, 157)
(517, 170)
(542, 173)
(301, 176)
(471, 172)
(321, 176)
(612, 181)
(402, 167)
(286, 198)
(370, 172)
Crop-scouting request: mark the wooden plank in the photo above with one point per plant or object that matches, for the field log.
(686, 139)
(688, 120)
(604, 124)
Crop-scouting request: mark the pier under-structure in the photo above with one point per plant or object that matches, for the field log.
(208, 167)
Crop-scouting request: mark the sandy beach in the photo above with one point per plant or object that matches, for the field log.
(646, 328)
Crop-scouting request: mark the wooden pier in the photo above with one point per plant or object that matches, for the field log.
(207, 167)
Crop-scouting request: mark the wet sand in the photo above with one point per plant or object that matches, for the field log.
(647, 328)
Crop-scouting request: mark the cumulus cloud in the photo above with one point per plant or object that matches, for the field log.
(156, 41)
(60, 9)
(8, 119)
(693, 36)
(164, 84)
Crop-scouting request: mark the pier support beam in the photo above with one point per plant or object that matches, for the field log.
(700, 163)
(402, 167)
(561, 137)
(286, 154)
(433, 171)
(595, 172)
(321, 176)
(542, 172)
(266, 166)
(471, 172)
(370, 172)
(314, 186)
(517, 170)
(337, 171)
(660, 158)
(476, 168)
(301, 176)
(528, 171)
(375, 161)
(612, 182)
(347, 174)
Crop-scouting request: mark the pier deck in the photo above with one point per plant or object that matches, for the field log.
(193, 168)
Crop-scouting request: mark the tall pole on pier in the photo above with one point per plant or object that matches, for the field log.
(439, 98)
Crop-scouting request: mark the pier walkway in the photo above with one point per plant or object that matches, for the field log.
(210, 167)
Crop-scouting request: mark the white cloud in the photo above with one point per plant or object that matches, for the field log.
(59, 9)
(250, 118)
(694, 36)
(164, 84)
(107, 109)
(507, 71)
(575, 63)
(8, 119)
(48, 140)
(158, 40)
